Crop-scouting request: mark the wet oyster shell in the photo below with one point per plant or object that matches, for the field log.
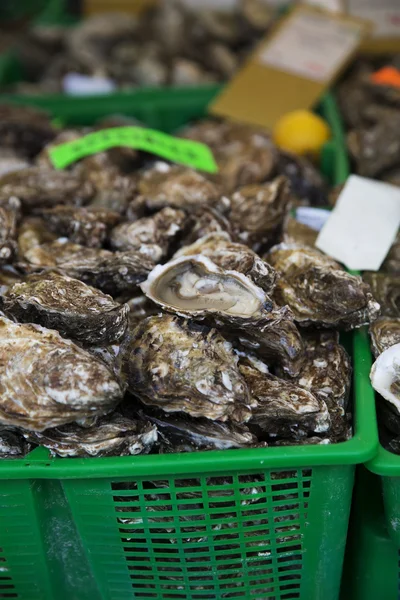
(86, 226)
(113, 273)
(283, 408)
(48, 381)
(24, 128)
(306, 182)
(232, 256)
(384, 332)
(385, 288)
(33, 232)
(36, 187)
(9, 215)
(75, 309)
(298, 233)
(204, 220)
(150, 235)
(179, 366)
(318, 290)
(391, 264)
(13, 444)
(113, 435)
(258, 212)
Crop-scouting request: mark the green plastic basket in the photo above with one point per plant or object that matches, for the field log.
(372, 561)
(261, 524)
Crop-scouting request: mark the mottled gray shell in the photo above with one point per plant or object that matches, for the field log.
(48, 381)
(75, 309)
(9, 215)
(385, 288)
(384, 332)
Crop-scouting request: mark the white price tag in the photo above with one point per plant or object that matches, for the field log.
(75, 84)
(312, 45)
(363, 225)
(313, 217)
(385, 14)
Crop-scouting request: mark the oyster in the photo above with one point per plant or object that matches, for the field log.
(258, 212)
(384, 332)
(204, 220)
(176, 365)
(48, 381)
(9, 213)
(24, 128)
(298, 233)
(195, 287)
(385, 287)
(36, 187)
(385, 376)
(283, 408)
(110, 436)
(10, 161)
(87, 226)
(33, 232)
(306, 182)
(391, 264)
(75, 309)
(112, 272)
(318, 290)
(13, 444)
(232, 256)
(8, 276)
(151, 236)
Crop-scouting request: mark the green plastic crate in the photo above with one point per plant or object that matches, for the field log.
(285, 510)
(372, 561)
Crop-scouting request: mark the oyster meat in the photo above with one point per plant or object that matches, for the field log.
(36, 187)
(318, 290)
(24, 128)
(75, 309)
(180, 366)
(258, 212)
(385, 376)
(385, 287)
(9, 214)
(86, 226)
(234, 257)
(113, 435)
(384, 332)
(48, 381)
(151, 236)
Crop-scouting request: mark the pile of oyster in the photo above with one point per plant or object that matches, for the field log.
(371, 112)
(170, 44)
(147, 307)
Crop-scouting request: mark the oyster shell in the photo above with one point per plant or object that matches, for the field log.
(36, 187)
(204, 220)
(283, 408)
(75, 309)
(86, 226)
(384, 332)
(114, 273)
(33, 232)
(179, 366)
(113, 435)
(195, 287)
(385, 287)
(232, 256)
(258, 212)
(318, 291)
(24, 128)
(298, 233)
(391, 264)
(10, 161)
(9, 214)
(306, 182)
(13, 444)
(385, 376)
(150, 235)
(48, 381)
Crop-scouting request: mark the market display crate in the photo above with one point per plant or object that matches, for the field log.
(372, 561)
(260, 523)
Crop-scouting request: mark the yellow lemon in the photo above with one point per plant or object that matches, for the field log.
(301, 132)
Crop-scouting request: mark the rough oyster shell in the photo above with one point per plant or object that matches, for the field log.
(385, 376)
(283, 408)
(298, 233)
(75, 309)
(86, 226)
(391, 264)
(318, 290)
(234, 257)
(48, 381)
(36, 187)
(113, 435)
(384, 332)
(13, 444)
(306, 182)
(9, 214)
(258, 212)
(183, 367)
(33, 232)
(24, 128)
(114, 273)
(204, 220)
(384, 288)
(150, 235)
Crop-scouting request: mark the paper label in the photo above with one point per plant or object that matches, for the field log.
(363, 225)
(385, 14)
(312, 45)
(186, 152)
(75, 84)
(313, 217)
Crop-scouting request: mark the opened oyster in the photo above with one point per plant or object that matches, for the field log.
(234, 257)
(151, 236)
(114, 435)
(87, 226)
(385, 376)
(384, 332)
(36, 187)
(48, 381)
(178, 366)
(385, 287)
(318, 290)
(75, 309)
